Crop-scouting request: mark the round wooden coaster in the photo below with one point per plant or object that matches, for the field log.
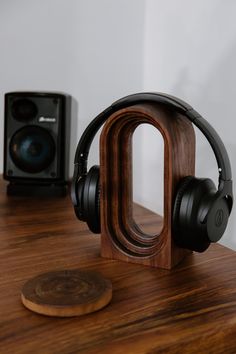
(66, 293)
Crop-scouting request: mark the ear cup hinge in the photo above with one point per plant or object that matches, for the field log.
(225, 190)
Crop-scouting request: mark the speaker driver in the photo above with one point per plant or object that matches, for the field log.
(24, 110)
(32, 149)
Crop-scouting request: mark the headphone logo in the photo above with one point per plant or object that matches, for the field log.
(219, 217)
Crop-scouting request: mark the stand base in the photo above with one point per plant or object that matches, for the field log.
(37, 190)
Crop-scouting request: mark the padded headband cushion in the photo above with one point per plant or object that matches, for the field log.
(169, 101)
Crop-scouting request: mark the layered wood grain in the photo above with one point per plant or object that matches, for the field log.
(189, 309)
(121, 237)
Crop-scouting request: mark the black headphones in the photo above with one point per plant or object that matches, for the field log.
(200, 212)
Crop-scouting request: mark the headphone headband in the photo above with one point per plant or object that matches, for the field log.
(172, 102)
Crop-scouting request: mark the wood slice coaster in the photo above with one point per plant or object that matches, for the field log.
(66, 293)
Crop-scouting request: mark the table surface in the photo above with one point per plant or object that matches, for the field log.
(190, 309)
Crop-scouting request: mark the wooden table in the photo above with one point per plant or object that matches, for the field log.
(191, 309)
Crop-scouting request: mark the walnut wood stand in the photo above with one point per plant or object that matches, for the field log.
(121, 238)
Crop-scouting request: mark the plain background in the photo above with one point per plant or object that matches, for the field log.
(99, 51)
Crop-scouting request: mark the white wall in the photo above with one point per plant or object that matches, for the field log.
(190, 52)
(90, 49)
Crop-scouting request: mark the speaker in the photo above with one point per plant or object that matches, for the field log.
(36, 141)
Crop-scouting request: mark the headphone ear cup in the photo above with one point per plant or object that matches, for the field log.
(216, 219)
(178, 200)
(79, 199)
(91, 200)
(194, 199)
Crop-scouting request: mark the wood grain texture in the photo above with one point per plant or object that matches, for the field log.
(66, 293)
(121, 237)
(189, 309)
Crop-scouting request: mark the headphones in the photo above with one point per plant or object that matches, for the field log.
(201, 211)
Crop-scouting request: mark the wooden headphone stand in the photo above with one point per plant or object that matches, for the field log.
(121, 238)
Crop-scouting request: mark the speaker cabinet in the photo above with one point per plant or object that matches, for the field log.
(36, 141)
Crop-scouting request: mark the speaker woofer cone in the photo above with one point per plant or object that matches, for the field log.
(32, 149)
(24, 110)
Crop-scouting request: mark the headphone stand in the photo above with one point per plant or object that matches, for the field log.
(121, 238)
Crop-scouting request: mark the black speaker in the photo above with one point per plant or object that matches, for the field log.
(36, 142)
